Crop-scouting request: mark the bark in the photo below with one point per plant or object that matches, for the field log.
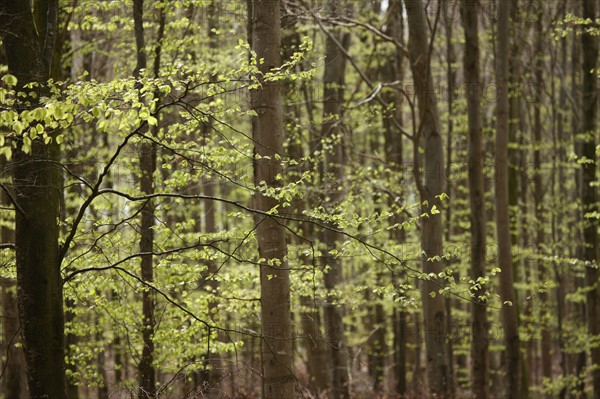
(434, 311)
(546, 341)
(209, 377)
(316, 349)
(479, 344)
(507, 295)
(560, 154)
(36, 181)
(14, 380)
(147, 159)
(451, 75)
(267, 132)
(579, 360)
(589, 191)
(394, 159)
(332, 177)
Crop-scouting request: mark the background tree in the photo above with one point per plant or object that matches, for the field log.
(509, 312)
(479, 345)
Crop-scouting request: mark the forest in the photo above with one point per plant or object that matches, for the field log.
(310, 199)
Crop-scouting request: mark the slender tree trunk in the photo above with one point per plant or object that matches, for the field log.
(316, 349)
(394, 71)
(267, 132)
(559, 176)
(589, 191)
(580, 312)
(14, 379)
(147, 159)
(479, 344)
(29, 47)
(451, 75)
(434, 310)
(209, 377)
(507, 295)
(546, 342)
(332, 177)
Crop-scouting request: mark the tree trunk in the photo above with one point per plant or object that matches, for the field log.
(451, 76)
(434, 311)
(546, 342)
(14, 380)
(36, 179)
(479, 344)
(589, 191)
(267, 132)
(394, 71)
(332, 176)
(507, 295)
(147, 159)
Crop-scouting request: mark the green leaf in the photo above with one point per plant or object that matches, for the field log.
(10, 80)
(6, 152)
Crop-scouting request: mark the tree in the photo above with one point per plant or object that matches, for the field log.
(29, 37)
(267, 133)
(479, 344)
(434, 310)
(332, 179)
(589, 189)
(507, 295)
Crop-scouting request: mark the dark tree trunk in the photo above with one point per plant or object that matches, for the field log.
(546, 342)
(479, 344)
(147, 159)
(451, 76)
(332, 176)
(589, 191)
(507, 294)
(394, 71)
(29, 47)
(14, 380)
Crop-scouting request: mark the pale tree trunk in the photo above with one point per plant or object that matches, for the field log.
(332, 176)
(434, 309)
(589, 192)
(479, 344)
(267, 132)
(507, 295)
(29, 47)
